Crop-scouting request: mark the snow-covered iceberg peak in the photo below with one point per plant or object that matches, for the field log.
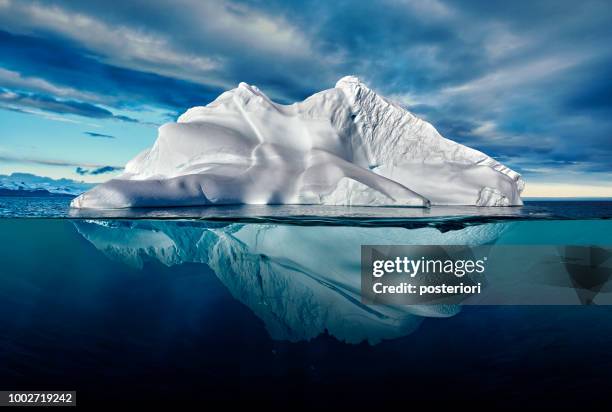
(342, 146)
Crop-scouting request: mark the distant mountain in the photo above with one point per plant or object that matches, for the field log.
(31, 193)
(27, 184)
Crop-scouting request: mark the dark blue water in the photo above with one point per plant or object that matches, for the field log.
(267, 310)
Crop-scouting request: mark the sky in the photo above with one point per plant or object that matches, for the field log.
(84, 86)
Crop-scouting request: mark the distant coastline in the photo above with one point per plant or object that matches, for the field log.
(31, 193)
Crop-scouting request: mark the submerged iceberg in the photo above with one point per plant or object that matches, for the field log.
(342, 146)
(298, 285)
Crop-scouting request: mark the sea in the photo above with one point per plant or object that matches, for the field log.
(261, 304)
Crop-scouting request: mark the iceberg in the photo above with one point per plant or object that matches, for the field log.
(342, 146)
(299, 286)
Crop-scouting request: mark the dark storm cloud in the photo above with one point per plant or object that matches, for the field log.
(526, 81)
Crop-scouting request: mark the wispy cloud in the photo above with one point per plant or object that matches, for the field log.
(13, 99)
(53, 162)
(14, 80)
(100, 135)
(97, 171)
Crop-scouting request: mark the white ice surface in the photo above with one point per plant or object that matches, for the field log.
(342, 146)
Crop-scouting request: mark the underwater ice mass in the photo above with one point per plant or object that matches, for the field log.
(342, 146)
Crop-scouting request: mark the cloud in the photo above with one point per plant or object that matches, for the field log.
(97, 171)
(524, 81)
(136, 48)
(100, 135)
(53, 162)
(173, 41)
(66, 66)
(14, 80)
(17, 100)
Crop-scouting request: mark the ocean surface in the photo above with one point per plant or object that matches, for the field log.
(538, 209)
(261, 304)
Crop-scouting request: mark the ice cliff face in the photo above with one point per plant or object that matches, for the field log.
(342, 146)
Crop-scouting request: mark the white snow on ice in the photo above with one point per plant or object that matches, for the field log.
(342, 146)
